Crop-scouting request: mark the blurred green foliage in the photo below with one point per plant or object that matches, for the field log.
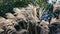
(42, 3)
(8, 5)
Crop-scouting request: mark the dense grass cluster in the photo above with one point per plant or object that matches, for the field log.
(25, 21)
(30, 19)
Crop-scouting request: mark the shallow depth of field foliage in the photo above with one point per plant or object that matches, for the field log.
(29, 19)
(8, 5)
